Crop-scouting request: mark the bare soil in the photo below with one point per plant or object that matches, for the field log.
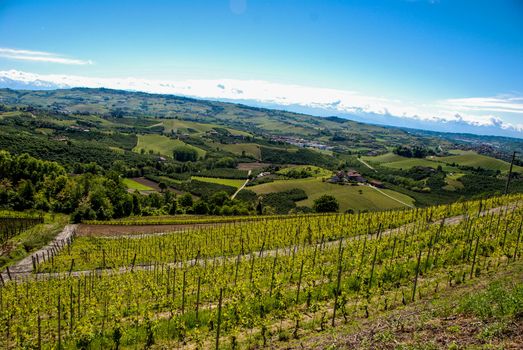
(119, 230)
(252, 166)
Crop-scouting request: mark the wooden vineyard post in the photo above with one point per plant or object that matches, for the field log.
(474, 258)
(71, 310)
(517, 243)
(236, 269)
(198, 298)
(416, 278)
(134, 260)
(252, 268)
(71, 267)
(372, 271)
(39, 325)
(59, 323)
(299, 283)
(272, 275)
(183, 293)
(338, 284)
(219, 320)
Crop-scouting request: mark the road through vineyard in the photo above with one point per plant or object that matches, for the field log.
(24, 268)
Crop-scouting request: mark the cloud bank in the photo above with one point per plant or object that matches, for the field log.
(39, 56)
(485, 112)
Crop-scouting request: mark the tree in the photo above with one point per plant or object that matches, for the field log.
(219, 198)
(185, 154)
(200, 207)
(326, 204)
(185, 200)
(226, 162)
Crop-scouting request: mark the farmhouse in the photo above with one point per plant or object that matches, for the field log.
(354, 176)
(349, 176)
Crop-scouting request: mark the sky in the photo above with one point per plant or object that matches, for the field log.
(424, 59)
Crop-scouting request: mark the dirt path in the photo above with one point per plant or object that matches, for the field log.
(395, 199)
(284, 251)
(25, 266)
(242, 187)
(366, 164)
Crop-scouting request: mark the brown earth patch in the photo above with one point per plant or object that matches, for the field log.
(252, 166)
(122, 230)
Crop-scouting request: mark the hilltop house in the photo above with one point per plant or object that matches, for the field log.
(354, 176)
(349, 176)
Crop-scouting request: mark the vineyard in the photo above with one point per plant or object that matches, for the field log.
(249, 283)
(14, 223)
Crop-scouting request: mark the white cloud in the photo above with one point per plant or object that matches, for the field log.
(502, 104)
(40, 56)
(479, 111)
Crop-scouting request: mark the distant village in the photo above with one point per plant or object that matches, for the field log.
(300, 142)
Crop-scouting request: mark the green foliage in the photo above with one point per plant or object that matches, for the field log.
(67, 153)
(200, 207)
(29, 183)
(283, 202)
(501, 299)
(246, 196)
(413, 152)
(32, 238)
(185, 200)
(185, 154)
(254, 265)
(326, 204)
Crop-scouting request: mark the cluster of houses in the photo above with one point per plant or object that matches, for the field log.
(353, 176)
(77, 128)
(300, 142)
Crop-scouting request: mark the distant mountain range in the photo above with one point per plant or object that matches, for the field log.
(28, 81)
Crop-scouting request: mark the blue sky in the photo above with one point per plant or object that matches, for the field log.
(418, 53)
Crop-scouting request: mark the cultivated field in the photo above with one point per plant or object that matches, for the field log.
(462, 158)
(254, 283)
(250, 149)
(162, 145)
(227, 182)
(477, 160)
(135, 185)
(349, 197)
(312, 170)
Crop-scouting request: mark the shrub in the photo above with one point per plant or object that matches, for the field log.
(326, 204)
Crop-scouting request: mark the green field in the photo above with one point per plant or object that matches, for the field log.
(477, 160)
(117, 150)
(315, 171)
(384, 158)
(395, 161)
(189, 127)
(463, 158)
(133, 185)
(160, 144)
(251, 149)
(349, 197)
(453, 183)
(226, 182)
